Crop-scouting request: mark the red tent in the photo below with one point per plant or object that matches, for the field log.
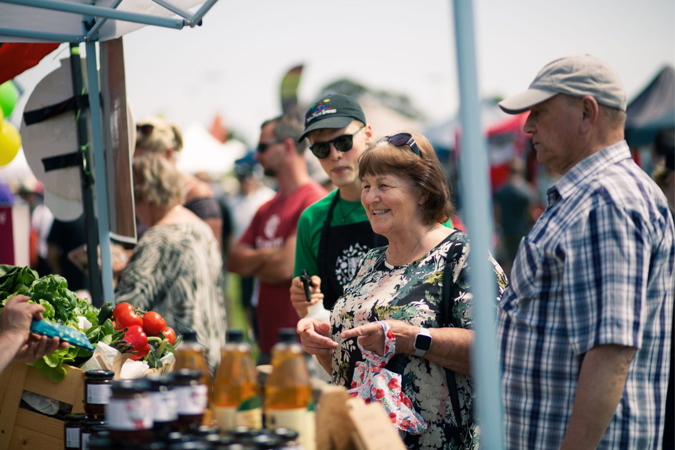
(505, 140)
(15, 58)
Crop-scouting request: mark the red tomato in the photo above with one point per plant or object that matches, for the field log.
(128, 318)
(169, 334)
(136, 337)
(121, 307)
(153, 323)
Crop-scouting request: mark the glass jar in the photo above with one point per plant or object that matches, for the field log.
(90, 426)
(97, 385)
(72, 428)
(129, 412)
(101, 442)
(163, 401)
(191, 398)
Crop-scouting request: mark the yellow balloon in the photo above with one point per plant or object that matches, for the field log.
(10, 142)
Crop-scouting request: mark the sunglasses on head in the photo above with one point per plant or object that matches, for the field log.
(146, 129)
(342, 143)
(262, 146)
(401, 139)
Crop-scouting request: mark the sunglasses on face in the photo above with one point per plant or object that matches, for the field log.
(342, 143)
(145, 130)
(262, 146)
(401, 139)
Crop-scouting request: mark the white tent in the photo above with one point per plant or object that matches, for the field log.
(203, 153)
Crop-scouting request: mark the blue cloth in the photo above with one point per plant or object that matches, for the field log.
(6, 195)
(596, 268)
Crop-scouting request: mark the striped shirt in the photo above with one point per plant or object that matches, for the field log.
(596, 268)
(176, 271)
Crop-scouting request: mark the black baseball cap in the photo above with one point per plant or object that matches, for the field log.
(332, 111)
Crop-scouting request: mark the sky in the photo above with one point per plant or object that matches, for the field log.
(234, 63)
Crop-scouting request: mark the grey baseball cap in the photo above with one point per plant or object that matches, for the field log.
(577, 76)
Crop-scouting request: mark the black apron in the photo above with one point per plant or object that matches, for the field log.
(340, 250)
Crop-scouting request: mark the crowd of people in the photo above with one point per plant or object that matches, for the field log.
(584, 306)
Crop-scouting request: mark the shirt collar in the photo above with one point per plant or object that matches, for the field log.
(586, 168)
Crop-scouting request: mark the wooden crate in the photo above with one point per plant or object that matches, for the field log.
(21, 429)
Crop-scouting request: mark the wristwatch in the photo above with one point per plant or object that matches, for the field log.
(422, 342)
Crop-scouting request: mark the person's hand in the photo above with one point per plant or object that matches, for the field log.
(371, 336)
(315, 337)
(298, 298)
(15, 321)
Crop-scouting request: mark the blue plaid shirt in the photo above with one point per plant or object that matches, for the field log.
(596, 268)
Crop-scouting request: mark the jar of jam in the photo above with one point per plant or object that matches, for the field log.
(129, 412)
(97, 390)
(163, 401)
(90, 426)
(191, 398)
(72, 428)
(101, 442)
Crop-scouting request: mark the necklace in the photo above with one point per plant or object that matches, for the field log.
(344, 216)
(396, 263)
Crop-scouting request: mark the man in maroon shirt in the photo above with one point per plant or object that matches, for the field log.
(267, 248)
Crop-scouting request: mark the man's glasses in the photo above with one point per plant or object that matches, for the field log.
(401, 139)
(262, 147)
(341, 143)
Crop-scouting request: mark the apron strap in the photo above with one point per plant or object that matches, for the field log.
(323, 242)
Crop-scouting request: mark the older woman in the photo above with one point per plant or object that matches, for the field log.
(155, 135)
(406, 198)
(176, 268)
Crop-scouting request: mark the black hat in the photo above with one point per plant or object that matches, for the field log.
(332, 111)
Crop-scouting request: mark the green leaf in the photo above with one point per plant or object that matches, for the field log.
(49, 310)
(107, 339)
(108, 327)
(56, 374)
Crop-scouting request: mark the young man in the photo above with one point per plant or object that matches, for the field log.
(334, 233)
(584, 327)
(267, 248)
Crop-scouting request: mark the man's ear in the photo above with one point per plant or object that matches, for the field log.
(290, 145)
(368, 132)
(590, 112)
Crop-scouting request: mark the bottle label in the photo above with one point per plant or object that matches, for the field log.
(298, 419)
(191, 400)
(247, 414)
(98, 394)
(73, 438)
(163, 406)
(129, 414)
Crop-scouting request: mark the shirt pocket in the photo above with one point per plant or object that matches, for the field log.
(527, 273)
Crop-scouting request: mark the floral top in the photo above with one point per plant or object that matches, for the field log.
(412, 293)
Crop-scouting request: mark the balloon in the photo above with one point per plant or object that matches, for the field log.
(10, 142)
(8, 97)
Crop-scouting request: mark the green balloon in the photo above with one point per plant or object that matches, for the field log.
(8, 97)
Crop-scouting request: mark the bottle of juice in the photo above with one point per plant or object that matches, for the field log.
(288, 393)
(236, 400)
(190, 354)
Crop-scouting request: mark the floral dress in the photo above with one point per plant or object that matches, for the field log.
(412, 293)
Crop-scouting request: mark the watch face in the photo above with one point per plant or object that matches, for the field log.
(422, 342)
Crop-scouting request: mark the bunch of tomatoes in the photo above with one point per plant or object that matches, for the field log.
(142, 329)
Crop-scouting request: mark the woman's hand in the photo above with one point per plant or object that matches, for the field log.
(35, 347)
(371, 336)
(298, 298)
(315, 337)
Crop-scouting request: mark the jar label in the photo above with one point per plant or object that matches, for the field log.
(191, 400)
(85, 440)
(298, 419)
(73, 438)
(129, 414)
(98, 394)
(163, 406)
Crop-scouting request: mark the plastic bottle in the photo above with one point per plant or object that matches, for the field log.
(190, 354)
(236, 400)
(288, 393)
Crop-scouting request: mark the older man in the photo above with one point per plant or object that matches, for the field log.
(584, 327)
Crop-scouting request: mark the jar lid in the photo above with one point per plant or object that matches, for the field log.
(74, 418)
(190, 445)
(286, 434)
(183, 374)
(156, 382)
(216, 440)
(129, 386)
(243, 432)
(204, 430)
(92, 422)
(264, 441)
(99, 374)
(176, 436)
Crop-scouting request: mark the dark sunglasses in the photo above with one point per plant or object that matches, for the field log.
(262, 147)
(401, 139)
(146, 129)
(341, 143)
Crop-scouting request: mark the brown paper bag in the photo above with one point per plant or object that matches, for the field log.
(373, 428)
(334, 427)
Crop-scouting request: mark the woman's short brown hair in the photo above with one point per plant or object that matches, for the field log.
(156, 181)
(425, 172)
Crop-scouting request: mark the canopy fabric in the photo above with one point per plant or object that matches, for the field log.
(17, 58)
(443, 136)
(28, 18)
(652, 109)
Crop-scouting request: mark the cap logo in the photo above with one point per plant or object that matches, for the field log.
(319, 109)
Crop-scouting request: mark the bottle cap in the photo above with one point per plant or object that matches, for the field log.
(190, 336)
(288, 335)
(235, 335)
(182, 374)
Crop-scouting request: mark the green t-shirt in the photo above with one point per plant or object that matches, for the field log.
(311, 222)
